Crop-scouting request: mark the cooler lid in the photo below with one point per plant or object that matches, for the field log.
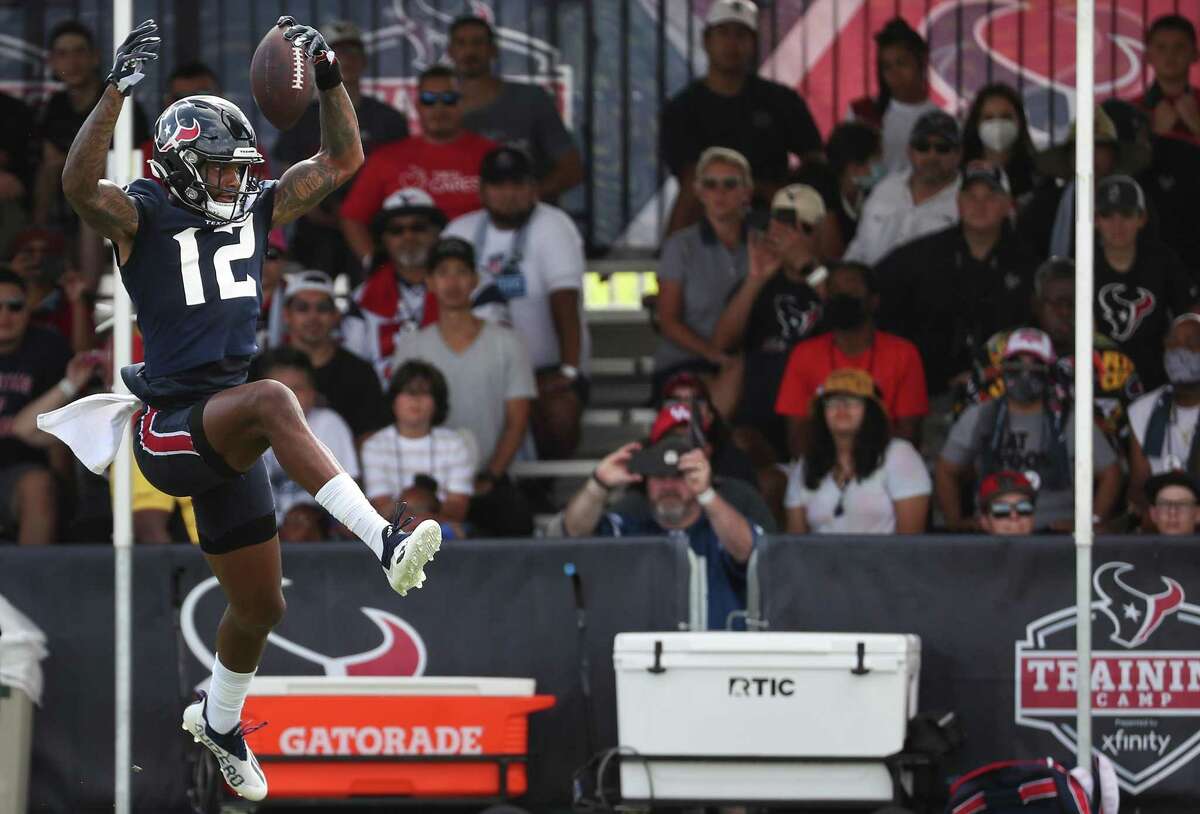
(717, 642)
(391, 685)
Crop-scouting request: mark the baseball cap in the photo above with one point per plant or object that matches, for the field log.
(339, 31)
(1119, 193)
(987, 173)
(1157, 483)
(1003, 483)
(1032, 341)
(448, 247)
(669, 417)
(506, 163)
(936, 124)
(732, 11)
(308, 280)
(411, 201)
(801, 199)
(849, 381)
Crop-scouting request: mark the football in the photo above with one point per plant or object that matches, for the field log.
(281, 79)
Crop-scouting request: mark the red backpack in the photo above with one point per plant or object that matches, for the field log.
(1018, 787)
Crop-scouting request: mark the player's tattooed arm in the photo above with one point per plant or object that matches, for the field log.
(306, 183)
(99, 202)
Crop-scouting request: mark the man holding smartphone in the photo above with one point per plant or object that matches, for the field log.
(669, 491)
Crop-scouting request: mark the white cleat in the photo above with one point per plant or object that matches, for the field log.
(405, 554)
(239, 768)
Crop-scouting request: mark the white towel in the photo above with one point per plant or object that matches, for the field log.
(92, 427)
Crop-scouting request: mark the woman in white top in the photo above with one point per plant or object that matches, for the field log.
(415, 445)
(856, 480)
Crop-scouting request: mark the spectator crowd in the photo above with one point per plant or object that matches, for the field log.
(869, 333)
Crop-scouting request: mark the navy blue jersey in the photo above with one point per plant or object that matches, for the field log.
(196, 284)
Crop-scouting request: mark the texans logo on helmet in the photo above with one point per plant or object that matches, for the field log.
(1145, 702)
(400, 650)
(179, 134)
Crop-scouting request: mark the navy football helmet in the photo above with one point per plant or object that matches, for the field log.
(198, 130)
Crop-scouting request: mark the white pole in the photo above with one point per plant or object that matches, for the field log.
(1084, 196)
(122, 170)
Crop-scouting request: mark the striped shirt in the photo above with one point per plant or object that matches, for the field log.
(391, 462)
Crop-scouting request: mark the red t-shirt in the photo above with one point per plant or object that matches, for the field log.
(892, 361)
(448, 172)
(1180, 130)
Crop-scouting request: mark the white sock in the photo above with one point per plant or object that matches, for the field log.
(342, 498)
(226, 694)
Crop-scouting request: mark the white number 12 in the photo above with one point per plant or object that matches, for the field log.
(189, 263)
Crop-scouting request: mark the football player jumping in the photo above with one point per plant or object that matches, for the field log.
(190, 250)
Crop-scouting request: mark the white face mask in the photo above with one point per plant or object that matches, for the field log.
(998, 134)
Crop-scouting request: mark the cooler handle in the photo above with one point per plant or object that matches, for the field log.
(657, 666)
(860, 669)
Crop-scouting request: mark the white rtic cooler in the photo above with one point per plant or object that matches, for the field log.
(814, 709)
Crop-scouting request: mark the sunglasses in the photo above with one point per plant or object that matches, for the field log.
(429, 98)
(302, 307)
(1000, 510)
(728, 182)
(939, 147)
(788, 218)
(273, 254)
(1175, 505)
(13, 306)
(416, 390)
(407, 229)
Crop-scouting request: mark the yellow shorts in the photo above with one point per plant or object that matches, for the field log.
(146, 497)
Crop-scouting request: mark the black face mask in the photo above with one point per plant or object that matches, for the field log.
(1025, 387)
(845, 312)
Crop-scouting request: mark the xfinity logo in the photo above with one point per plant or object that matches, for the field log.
(744, 687)
(1121, 741)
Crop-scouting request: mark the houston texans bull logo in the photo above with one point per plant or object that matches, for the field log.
(1135, 614)
(1123, 309)
(1145, 675)
(401, 651)
(173, 134)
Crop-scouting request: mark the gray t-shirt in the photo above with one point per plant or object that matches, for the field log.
(494, 369)
(523, 116)
(709, 273)
(1023, 450)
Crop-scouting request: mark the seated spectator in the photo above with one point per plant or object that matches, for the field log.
(395, 299)
(776, 306)
(853, 168)
(421, 501)
(1028, 430)
(533, 254)
(853, 341)
(856, 478)
(700, 267)
(902, 68)
(1047, 221)
(32, 360)
(417, 444)
(1173, 505)
(669, 491)
(318, 240)
(490, 383)
(518, 114)
(16, 168)
(276, 263)
(910, 203)
(1139, 282)
(443, 161)
(1166, 419)
(74, 60)
(347, 384)
(59, 297)
(1171, 101)
(997, 131)
(949, 291)
(1007, 502)
(293, 368)
(731, 106)
(304, 523)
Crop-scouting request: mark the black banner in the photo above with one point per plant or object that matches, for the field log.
(997, 625)
(489, 609)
